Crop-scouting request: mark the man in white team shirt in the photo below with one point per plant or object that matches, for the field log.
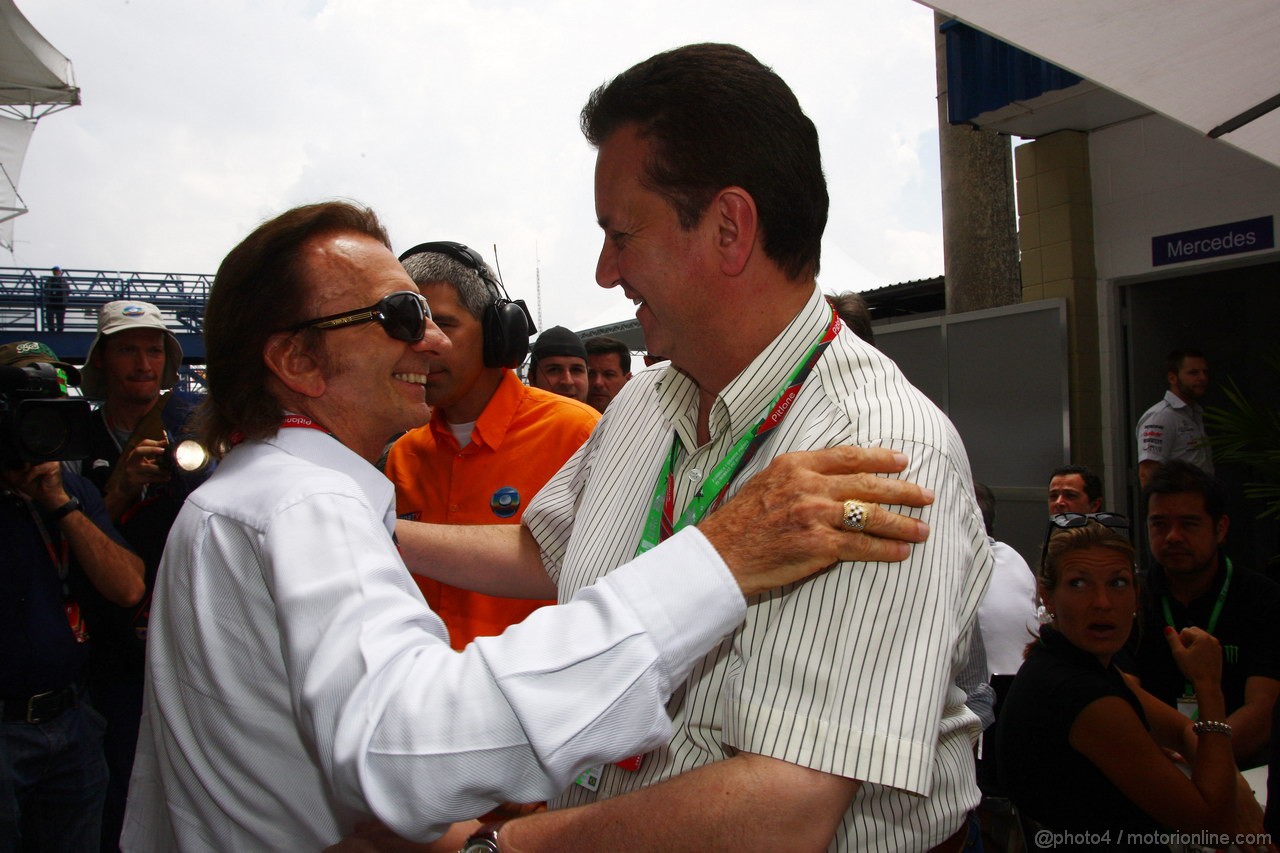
(298, 685)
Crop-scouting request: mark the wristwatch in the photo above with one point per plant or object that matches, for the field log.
(483, 840)
(65, 510)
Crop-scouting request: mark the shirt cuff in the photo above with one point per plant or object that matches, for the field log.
(685, 596)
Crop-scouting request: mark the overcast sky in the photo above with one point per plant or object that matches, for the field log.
(454, 119)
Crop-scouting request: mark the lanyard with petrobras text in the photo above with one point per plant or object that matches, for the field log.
(1189, 691)
(290, 421)
(661, 522)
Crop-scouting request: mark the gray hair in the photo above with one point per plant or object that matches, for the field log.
(431, 267)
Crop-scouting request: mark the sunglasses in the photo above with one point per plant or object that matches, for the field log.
(1070, 520)
(403, 315)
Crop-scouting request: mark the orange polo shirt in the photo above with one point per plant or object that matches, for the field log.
(522, 438)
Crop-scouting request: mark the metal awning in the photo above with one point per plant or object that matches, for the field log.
(1208, 64)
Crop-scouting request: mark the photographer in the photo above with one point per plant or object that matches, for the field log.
(130, 366)
(60, 549)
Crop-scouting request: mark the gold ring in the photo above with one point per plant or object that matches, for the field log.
(855, 516)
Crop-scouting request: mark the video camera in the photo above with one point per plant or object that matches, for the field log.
(37, 422)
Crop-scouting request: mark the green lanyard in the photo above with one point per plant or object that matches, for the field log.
(660, 524)
(1213, 614)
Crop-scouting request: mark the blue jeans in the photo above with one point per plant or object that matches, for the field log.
(53, 778)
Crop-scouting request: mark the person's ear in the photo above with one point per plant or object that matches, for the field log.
(1221, 529)
(294, 364)
(735, 220)
(1046, 595)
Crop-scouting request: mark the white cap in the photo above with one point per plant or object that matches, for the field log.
(122, 316)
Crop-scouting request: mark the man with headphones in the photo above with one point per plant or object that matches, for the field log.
(492, 442)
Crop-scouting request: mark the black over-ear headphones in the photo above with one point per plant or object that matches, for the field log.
(506, 323)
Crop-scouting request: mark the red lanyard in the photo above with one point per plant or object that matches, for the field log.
(301, 422)
(61, 559)
(290, 421)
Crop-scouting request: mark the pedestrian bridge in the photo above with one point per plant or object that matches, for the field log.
(179, 296)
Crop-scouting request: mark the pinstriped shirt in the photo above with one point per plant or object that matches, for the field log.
(851, 672)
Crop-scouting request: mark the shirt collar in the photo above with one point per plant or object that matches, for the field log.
(1175, 401)
(1054, 643)
(326, 451)
(494, 421)
(743, 401)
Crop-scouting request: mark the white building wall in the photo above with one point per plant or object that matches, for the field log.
(1149, 177)
(1153, 176)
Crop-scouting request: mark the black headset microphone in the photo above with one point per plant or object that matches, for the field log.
(506, 322)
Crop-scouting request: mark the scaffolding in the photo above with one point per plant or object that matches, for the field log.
(27, 308)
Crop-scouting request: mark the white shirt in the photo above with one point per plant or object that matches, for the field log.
(1008, 613)
(298, 683)
(1174, 429)
(851, 672)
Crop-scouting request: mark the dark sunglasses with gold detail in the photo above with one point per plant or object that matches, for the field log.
(403, 315)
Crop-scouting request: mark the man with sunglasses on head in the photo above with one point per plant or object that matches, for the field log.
(298, 685)
(1195, 584)
(492, 441)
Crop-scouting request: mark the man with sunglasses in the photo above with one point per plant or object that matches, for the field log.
(1195, 584)
(298, 684)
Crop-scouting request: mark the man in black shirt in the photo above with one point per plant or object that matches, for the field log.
(60, 550)
(1194, 583)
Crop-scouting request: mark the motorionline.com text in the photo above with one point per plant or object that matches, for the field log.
(1047, 839)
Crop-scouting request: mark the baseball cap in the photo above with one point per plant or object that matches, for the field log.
(121, 316)
(22, 353)
(559, 341)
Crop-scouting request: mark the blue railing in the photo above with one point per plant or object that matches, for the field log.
(29, 308)
(23, 292)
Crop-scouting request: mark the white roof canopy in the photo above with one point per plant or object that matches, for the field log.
(1209, 64)
(35, 79)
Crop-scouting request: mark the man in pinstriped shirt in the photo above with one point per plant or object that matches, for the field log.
(297, 683)
(831, 719)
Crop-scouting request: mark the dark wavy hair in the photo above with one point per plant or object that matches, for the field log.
(1092, 482)
(602, 345)
(1176, 476)
(260, 289)
(717, 117)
